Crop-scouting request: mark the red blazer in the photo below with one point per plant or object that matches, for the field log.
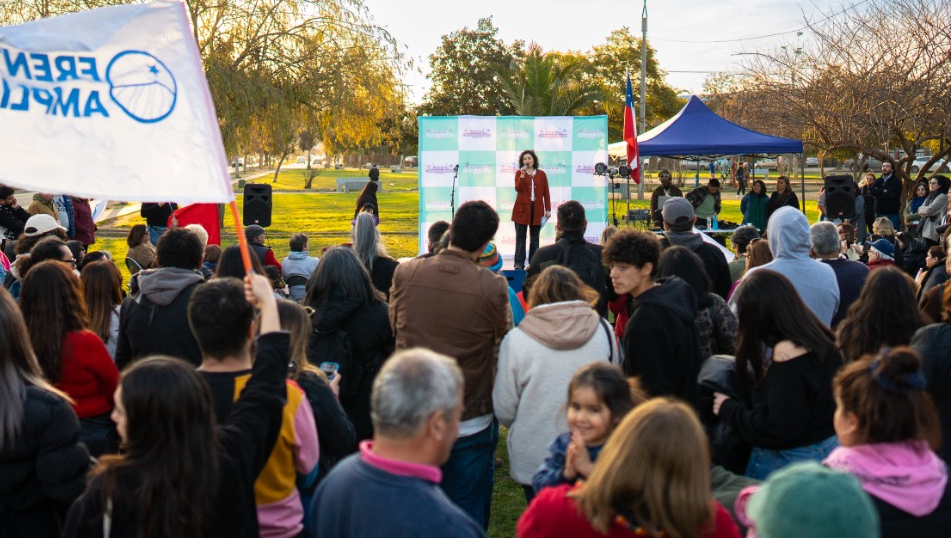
(522, 211)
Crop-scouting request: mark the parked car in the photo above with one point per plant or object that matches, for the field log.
(812, 161)
(689, 164)
(768, 164)
(921, 161)
(871, 163)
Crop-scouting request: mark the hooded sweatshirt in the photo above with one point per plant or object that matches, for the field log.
(298, 264)
(908, 476)
(661, 344)
(153, 319)
(715, 263)
(790, 243)
(536, 363)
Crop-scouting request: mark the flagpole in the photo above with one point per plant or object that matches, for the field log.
(242, 240)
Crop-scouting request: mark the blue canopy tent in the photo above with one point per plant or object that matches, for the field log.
(696, 130)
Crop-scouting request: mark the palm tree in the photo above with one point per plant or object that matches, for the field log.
(546, 84)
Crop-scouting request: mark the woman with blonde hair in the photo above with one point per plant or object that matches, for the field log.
(651, 479)
(560, 333)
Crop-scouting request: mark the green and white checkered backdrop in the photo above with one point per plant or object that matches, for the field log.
(486, 148)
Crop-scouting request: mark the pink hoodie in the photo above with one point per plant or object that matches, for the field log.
(908, 475)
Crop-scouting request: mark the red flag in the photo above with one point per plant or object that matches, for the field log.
(630, 135)
(204, 214)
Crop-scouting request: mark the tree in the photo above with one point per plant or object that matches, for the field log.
(464, 81)
(606, 66)
(870, 80)
(545, 84)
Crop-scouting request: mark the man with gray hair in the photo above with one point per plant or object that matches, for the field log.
(390, 487)
(849, 275)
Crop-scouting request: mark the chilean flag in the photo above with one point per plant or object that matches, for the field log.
(630, 135)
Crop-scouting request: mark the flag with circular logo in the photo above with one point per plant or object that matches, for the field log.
(110, 103)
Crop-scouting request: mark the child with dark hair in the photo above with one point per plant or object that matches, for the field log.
(599, 396)
(888, 428)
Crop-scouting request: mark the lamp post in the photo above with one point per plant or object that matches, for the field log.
(640, 186)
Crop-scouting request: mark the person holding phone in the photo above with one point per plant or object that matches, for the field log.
(531, 201)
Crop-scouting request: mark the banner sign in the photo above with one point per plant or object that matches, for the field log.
(110, 103)
(486, 150)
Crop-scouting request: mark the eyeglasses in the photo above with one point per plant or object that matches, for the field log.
(71, 261)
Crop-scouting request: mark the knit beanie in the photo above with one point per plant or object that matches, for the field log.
(808, 499)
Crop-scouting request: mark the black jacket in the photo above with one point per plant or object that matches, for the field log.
(547, 255)
(897, 523)
(157, 214)
(358, 337)
(935, 275)
(933, 344)
(777, 201)
(887, 195)
(153, 319)
(718, 270)
(13, 220)
(382, 274)
(337, 437)
(661, 342)
(43, 469)
(244, 446)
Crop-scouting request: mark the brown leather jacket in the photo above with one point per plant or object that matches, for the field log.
(451, 305)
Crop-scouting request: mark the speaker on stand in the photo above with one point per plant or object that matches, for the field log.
(840, 192)
(257, 204)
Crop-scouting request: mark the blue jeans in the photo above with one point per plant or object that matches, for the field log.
(467, 476)
(155, 232)
(764, 461)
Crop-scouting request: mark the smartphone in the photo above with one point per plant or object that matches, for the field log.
(329, 368)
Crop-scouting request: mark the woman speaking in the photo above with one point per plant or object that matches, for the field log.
(532, 199)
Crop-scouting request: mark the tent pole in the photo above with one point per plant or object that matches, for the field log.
(802, 180)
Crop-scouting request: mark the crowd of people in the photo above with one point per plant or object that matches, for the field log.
(648, 386)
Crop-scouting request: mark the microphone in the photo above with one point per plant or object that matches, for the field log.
(455, 168)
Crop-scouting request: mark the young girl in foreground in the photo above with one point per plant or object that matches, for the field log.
(598, 398)
(652, 479)
(888, 427)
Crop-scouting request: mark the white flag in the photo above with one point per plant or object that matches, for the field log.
(110, 103)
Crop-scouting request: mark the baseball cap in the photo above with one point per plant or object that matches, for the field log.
(678, 211)
(40, 224)
(253, 231)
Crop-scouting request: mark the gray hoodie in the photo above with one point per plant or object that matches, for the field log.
(790, 243)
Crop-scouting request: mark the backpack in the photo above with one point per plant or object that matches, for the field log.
(585, 263)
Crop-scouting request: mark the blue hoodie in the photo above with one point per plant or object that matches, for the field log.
(790, 243)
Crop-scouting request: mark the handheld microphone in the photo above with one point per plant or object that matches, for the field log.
(455, 168)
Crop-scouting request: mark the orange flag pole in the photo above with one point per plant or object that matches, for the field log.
(242, 240)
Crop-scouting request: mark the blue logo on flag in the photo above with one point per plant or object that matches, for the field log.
(142, 86)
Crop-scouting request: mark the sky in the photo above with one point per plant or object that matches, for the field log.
(718, 31)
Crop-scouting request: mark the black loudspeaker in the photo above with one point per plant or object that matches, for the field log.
(257, 204)
(840, 196)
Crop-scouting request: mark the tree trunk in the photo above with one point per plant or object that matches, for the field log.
(279, 163)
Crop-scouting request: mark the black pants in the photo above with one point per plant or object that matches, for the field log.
(520, 230)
